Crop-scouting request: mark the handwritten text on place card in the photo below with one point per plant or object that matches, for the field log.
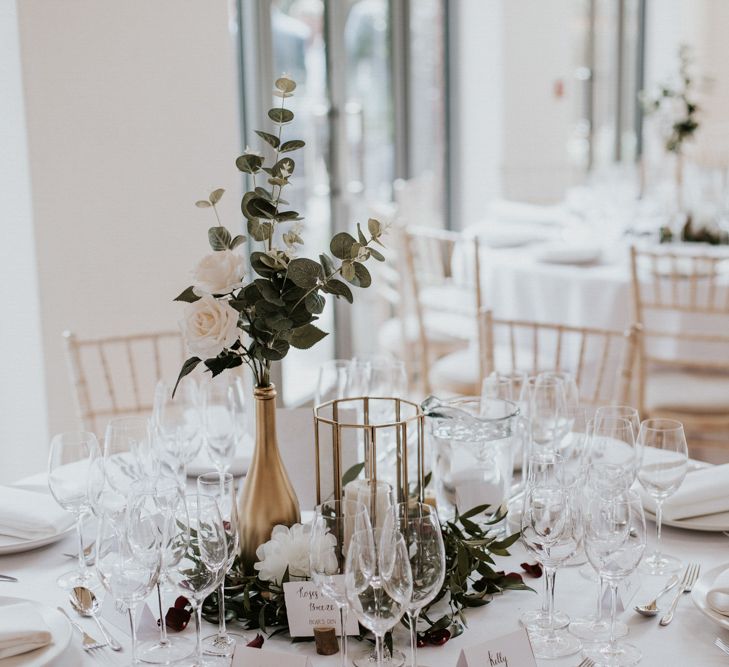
(512, 650)
(245, 656)
(307, 607)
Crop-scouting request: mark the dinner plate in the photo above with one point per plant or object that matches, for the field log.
(15, 545)
(713, 523)
(698, 595)
(59, 627)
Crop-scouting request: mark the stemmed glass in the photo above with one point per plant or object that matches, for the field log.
(545, 407)
(334, 524)
(221, 487)
(177, 425)
(71, 464)
(569, 386)
(605, 479)
(613, 441)
(615, 539)
(619, 412)
(663, 467)
(551, 531)
(504, 386)
(419, 525)
(197, 572)
(221, 421)
(378, 581)
(128, 558)
(333, 380)
(169, 499)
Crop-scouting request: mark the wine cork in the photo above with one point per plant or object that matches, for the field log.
(326, 640)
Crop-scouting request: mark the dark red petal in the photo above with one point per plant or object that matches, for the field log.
(532, 569)
(438, 637)
(182, 602)
(257, 642)
(422, 641)
(177, 619)
(514, 575)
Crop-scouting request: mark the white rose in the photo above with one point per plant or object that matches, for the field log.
(210, 325)
(218, 273)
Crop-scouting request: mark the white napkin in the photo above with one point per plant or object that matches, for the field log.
(717, 598)
(29, 515)
(22, 629)
(702, 492)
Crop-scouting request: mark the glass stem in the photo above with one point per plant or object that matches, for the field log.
(613, 614)
(222, 633)
(162, 620)
(343, 621)
(659, 521)
(550, 573)
(83, 570)
(198, 634)
(413, 622)
(131, 610)
(378, 649)
(600, 593)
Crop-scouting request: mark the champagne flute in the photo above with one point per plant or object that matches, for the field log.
(222, 414)
(170, 501)
(334, 523)
(129, 556)
(71, 464)
(419, 525)
(663, 467)
(221, 487)
(199, 525)
(378, 581)
(615, 539)
(551, 531)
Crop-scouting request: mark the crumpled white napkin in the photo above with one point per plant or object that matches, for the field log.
(29, 515)
(717, 598)
(702, 492)
(22, 629)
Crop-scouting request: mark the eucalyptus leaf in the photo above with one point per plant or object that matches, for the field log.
(348, 271)
(219, 238)
(341, 244)
(304, 337)
(283, 164)
(304, 272)
(352, 473)
(287, 216)
(259, 207)
(271, 139)
(375, 227)
(285, 85)
(338, 288)
(280, 116)
(203, 203)
(376, 254)
(249, 164)
(360, 235)
(236, 241)
(188, 296)
(327, 264)
(259, 231)
(292, 145)
(216, 195)
(315, 303)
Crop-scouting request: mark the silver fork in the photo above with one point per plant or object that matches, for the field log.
(720, 643)
(587, 662)
(687, 583)
(88, 643)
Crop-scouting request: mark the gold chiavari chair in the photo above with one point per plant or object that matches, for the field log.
(682, 303)
(444, 277)
(116, 376)
(602, 361)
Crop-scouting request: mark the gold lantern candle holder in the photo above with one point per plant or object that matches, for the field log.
(352, 429)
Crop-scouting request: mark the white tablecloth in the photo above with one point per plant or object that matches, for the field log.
(687, 641)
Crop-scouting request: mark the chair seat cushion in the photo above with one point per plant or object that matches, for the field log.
(456, 373)
(687, 391)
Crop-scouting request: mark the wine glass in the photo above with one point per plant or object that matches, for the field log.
(613, 441)
(177, 425)
(601, 479)
(71, 462)
(222, 414)
(569, 386)
(128, 557)
(200, 525)
(221, 487)
(551, 531)
(419, 525)
(334, 524)
(129, 457)
(168, 497)
(619, 411)
(504, 386)
(333, 380)
(378, 581)
(663, 466)
(615, 539)
(545, 407)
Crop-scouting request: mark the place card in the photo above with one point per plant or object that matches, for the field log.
(246, 656)
(512, 650)
(118, 616)
(307, 607)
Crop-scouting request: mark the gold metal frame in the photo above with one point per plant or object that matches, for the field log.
(401, 425)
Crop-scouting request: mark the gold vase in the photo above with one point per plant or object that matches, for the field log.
(268, 497)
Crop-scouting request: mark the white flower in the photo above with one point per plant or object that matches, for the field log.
(287, 548)
(209, 326)
(218, 273)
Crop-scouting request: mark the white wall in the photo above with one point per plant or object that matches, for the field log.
(23, 426)
(132, 116)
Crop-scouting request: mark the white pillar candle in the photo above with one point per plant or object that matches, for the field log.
(377, 498)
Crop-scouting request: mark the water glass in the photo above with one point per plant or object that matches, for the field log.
(613, 441)
(72, 462)
(663, 465)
